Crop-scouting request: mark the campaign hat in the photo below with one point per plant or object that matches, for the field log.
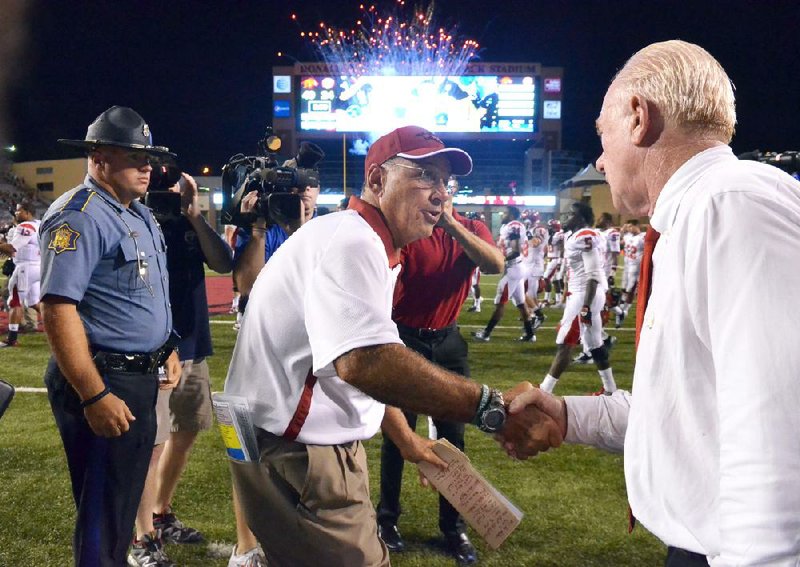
(415, 143)
(122, 127)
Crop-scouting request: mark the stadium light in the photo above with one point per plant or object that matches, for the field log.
(206, 170)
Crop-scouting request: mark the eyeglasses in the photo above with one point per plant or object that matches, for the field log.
(429, 178)
(142, 159)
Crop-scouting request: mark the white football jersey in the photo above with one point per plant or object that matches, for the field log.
(26, 242)
(634, 248)
(612, 246)
(535, 255)
(555, 247)
(509, 232)
(583, 251)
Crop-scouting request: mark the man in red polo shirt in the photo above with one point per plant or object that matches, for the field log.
(432, 287)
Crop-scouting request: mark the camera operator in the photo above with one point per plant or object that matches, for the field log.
(186, 411)
(267, 235)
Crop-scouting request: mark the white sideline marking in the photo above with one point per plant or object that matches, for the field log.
(549, 328)
(26, 390)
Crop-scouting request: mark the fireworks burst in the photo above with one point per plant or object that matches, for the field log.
(398, 43)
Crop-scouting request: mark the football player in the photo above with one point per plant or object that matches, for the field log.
(534, 262)
(514, 244)
(587, 285)
(633, 240)
(554, 274)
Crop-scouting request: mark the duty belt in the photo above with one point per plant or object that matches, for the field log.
(134, 362)
(426, 333)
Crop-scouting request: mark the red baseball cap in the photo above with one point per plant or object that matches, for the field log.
(415, 143)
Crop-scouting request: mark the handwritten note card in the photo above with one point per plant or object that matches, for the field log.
(489, 513)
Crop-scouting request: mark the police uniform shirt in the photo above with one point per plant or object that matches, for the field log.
(111, 260)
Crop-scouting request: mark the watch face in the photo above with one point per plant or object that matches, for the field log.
(494, 419)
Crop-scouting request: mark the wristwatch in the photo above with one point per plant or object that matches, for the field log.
(492, 416)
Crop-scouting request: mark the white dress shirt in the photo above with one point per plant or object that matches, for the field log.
(712, 449)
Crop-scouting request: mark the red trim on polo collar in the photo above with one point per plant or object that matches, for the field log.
(377, 222)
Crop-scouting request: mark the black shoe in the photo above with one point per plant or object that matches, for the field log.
(391, 537)
(582, 358)
(459, 546)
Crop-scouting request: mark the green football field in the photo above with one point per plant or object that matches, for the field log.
(573, 498)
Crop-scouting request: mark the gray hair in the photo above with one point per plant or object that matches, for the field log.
(686, 83)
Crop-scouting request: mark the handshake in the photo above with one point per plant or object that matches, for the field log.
(536, 421)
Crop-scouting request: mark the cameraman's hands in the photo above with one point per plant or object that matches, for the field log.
(189, 196)
(249, 202)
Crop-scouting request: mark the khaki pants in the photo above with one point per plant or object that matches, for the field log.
(309, 504)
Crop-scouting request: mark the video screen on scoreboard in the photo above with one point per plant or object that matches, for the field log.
(470, 103)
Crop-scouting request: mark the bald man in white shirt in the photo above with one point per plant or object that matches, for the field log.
(710, 431)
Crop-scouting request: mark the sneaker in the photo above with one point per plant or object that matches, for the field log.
(609, 342)
(148, 552)
(9, 344)
(527, 339)
(473, 309)
(538, 319)
(237, 326)
(253, 558)
(618, 319)
(174, 531)
(480, 336)
(582, 358)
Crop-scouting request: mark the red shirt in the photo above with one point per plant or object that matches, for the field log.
(435, 278)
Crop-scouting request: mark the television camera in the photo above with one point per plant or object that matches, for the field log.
(787, 161)
(164, 203)
(277, 202)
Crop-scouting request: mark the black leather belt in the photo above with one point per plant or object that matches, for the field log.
(426, 333)
(134, 362)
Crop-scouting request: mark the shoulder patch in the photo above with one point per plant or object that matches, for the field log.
(63, 238)
(79, 200)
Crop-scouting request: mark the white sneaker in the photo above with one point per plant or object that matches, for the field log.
(480, 336)
(253, 558)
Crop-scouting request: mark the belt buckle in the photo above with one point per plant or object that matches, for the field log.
(115, 363)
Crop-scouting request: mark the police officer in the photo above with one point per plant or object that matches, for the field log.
(105, 304)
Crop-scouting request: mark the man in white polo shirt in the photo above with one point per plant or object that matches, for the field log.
(318, 356)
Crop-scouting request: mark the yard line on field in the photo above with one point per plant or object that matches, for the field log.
(549, 328)
(26, 390)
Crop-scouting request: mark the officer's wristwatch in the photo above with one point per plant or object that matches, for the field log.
(492, 416)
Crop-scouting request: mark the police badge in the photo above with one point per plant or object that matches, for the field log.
(63, 238)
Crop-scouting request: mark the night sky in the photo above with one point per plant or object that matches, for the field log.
(200, 72)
